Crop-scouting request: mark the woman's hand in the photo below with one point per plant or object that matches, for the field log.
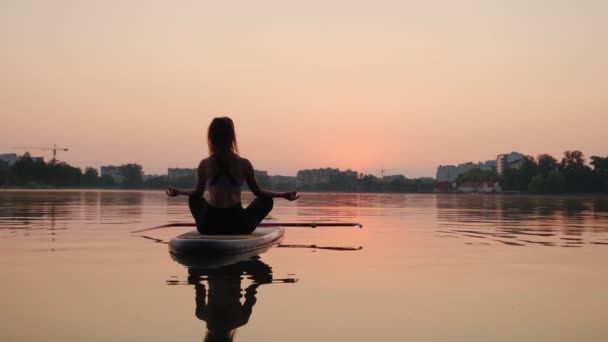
(291, 196)
(172, 192)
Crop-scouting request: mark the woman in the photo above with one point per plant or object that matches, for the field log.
(222, 174)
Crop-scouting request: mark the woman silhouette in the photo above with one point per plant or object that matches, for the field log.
(222, 175)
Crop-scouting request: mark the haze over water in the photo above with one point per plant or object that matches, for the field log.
(431, 268)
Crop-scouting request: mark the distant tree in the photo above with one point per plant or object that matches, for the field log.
(62, 174)
(370, 183)
(477, 175)
(159, 182)
(5, 174)
(554, 182)
(573, 159)
(600, 164)
(428, 186)
(187, 182)
(403, 184)
(537, 184)
(342, 182)
(519, 179)
(579, 176)
(600, 170)
(400, 184)
(547, 163)
(106, 182)
(133, 175)
(27, 171)
(90, 177)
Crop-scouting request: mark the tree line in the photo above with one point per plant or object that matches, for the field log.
(27, 172)
(546, 174)
(343, 182)
(541, 174)
(31, 173)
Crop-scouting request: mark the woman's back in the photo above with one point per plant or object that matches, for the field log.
(224, 177)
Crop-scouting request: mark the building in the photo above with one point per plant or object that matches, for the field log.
(491, 187)
(11, 158)
(176, 173)
(443, 186)
(115, 172)
(321, 176)
(8, 158)
(513, 160)
(315, 176)
(470, 186)
(480, 187)
(448, 173)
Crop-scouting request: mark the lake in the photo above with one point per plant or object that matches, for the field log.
(424, 268)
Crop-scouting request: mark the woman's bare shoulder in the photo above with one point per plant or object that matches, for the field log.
(203, 164)
(244, 162)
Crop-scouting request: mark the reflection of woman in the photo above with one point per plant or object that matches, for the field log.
(222, 174)
(220, 305)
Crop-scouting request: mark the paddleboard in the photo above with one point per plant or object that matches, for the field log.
(195, 243)
(206, 261)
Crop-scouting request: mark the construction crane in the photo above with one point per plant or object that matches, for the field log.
(382, 171)
(54, 149)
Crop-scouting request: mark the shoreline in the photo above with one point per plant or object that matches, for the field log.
(508, 193)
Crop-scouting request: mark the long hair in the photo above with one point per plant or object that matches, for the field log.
(221, 136)
(221, 139)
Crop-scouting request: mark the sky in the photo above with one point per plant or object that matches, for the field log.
(403, 86)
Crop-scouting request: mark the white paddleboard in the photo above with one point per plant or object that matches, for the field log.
(195, 243)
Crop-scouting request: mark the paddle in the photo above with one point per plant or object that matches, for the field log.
(277, 224)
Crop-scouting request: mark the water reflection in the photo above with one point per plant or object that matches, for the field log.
(53, 210)
(513, 220)
(523, 220)
(333, 206)
(218, 293)
(121, 207)
(26, 209)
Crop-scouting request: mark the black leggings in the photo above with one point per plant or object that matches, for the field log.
(232, 220)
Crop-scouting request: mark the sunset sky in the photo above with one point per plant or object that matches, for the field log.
(368, 85)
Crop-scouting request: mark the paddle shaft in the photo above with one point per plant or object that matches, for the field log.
(273, 224)
(309, 224)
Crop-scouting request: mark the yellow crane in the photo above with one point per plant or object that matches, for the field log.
(54, 149)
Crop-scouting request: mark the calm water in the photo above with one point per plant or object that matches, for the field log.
(431, 268)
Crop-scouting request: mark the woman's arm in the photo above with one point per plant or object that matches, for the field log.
(198, 191)
(254, 186)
